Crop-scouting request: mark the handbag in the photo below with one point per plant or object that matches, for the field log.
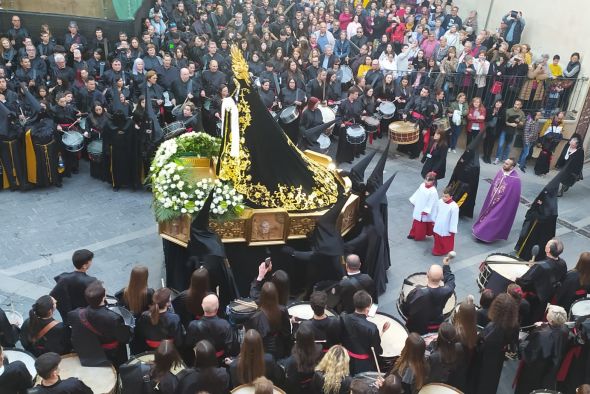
(496, 87)
(456, 117)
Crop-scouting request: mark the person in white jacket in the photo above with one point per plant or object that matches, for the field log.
(388, 63)
(424, 200)
(446, 218)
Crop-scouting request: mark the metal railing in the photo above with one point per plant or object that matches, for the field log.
(549, 96)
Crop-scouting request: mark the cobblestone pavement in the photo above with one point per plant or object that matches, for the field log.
(40, 230)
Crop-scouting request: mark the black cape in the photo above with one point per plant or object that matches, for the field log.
(465, 179)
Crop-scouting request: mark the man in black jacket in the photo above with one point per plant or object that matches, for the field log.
(70, 287)
(353, 282)
(47, 368)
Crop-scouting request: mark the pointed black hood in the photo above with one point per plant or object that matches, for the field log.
(471, 154)
(313, 134)
(374, 201)
(376, 178)
(357, 173)
(548, 196)
(326, 238)
(203, 241)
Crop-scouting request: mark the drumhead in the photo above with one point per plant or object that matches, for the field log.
(580, 308)
(95, 147)
(371, 121)
(15, 318)
(420, 278)
(249, 389)
(20, 355)
(237, 308)
(503, 258)
(392, 340)
(303, 311)
(328, 113)
(324, 141)
(438, 388)
(102, 380)
(148, 358)
(509, 271)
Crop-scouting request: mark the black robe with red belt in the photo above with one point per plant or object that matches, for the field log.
(277, 342)
(149, 336)
(56, 340)
(214, 329)
(358, 336)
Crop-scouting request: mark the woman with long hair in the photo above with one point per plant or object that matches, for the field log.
(255, 64)
(501, 331)
(278, 61)
(96, 123)
(293, 72)
(136, 296)
(411, 364)
(485, 301)
(137, 76)
(495, 121)
(157, 324)
(206, 376)
(447, 361)
(299, 367)
(253, 362)
(41, 333)
(332, 375)
(576, 284)
(435, 155)
(272, 322)
(8, 55)
(145, 137)
(465, 322)
(476, 117)
(524, 307)
(166, 358)
(188, 303)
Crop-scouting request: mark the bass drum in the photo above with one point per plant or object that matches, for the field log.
(419, 279)
(392, 340)
(579, 309)
(500, 270)
(27, 358)
(438, 388)
(148, 358)
(249, 389)
(302, 311)
(328, 115)
(101, 380)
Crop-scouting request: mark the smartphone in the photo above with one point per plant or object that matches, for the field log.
(267, 262)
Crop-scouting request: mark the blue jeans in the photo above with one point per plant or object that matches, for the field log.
(455, 133)
(504, 145)
(524, 154)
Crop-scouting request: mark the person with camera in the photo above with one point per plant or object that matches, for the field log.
(514, 26)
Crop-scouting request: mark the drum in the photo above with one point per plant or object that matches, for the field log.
(328, 115)
(404, 133)
(347, 74)
(102, 380)
(20, 355)
(369, 377)
(111, 300)
(392, 340)
(177, 110)
(289, 114)
(239, 313)
(442, 123)
(499, 270)
(419, 279)
(125, 313)
(95, 150)
(324, 141)
(580, 308)
(545, 391)
(355, 134)
(249, 389)
(73, 141)
(451, 318)
(82, 123)
(148, 358)
(386, 109)
(371, 123)
(438, 388)
(302, 311)
(15, 318)
(174, 128)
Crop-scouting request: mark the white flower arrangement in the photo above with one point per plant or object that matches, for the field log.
(176, 194)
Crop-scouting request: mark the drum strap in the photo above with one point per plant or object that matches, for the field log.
(358, 356)
(90, 327)
(45, 330)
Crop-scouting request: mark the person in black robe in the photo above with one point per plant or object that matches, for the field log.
(540, 220)
(354, 281)
(267, 96)
(464, 181)
(299, 366)
(212, 328)
(311, 118)
(326, 329)
(349, 112)
(421, 109)
(357, 174)
(360, 335)
(447, 361)
(212, 79)
(576, 283)
(435, 156)
(424, 305)
(12, 156)
(156, 325)
(51, 383)
(205, 376)
(572, 155)
(373, 238)
(541, 281)
(41, 333)
(99, 334)
(65, 116)
(290, 96)
(70, 286)
(125, 163)
(145, 123)
(8, 332)
(14, 375)
(190, 119)
(543, 352)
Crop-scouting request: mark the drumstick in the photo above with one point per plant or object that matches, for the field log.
(163, 283)
(72, 125)
(246, 303)
(375, 358)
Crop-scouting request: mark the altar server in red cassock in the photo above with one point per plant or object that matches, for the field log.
(424, 200)
(446, 218)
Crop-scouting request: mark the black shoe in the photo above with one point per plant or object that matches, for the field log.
(58, 185)
(523, 169)
(410, 237)
(116, 188)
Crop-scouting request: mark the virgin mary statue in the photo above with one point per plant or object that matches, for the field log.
(260, 160)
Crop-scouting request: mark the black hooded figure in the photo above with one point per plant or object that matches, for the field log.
(540, 220)
(206, 249)
(372, 242)
(357, 173)
(465, 179)
(327, 248)
(119, 138)
(309, 137)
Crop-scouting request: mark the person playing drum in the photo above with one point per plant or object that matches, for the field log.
(424, 305)
(420, 109)
(64, 115)
(310, 118)
(353, 282)
(14, 376)
(361, 337)
(325, 328)
(349, 111)
(47, 366)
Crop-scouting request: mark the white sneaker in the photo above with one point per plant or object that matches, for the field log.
(449, 150)
(454, 151)
(496, 161)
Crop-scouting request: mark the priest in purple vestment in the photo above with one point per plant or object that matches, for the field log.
(499, 209)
